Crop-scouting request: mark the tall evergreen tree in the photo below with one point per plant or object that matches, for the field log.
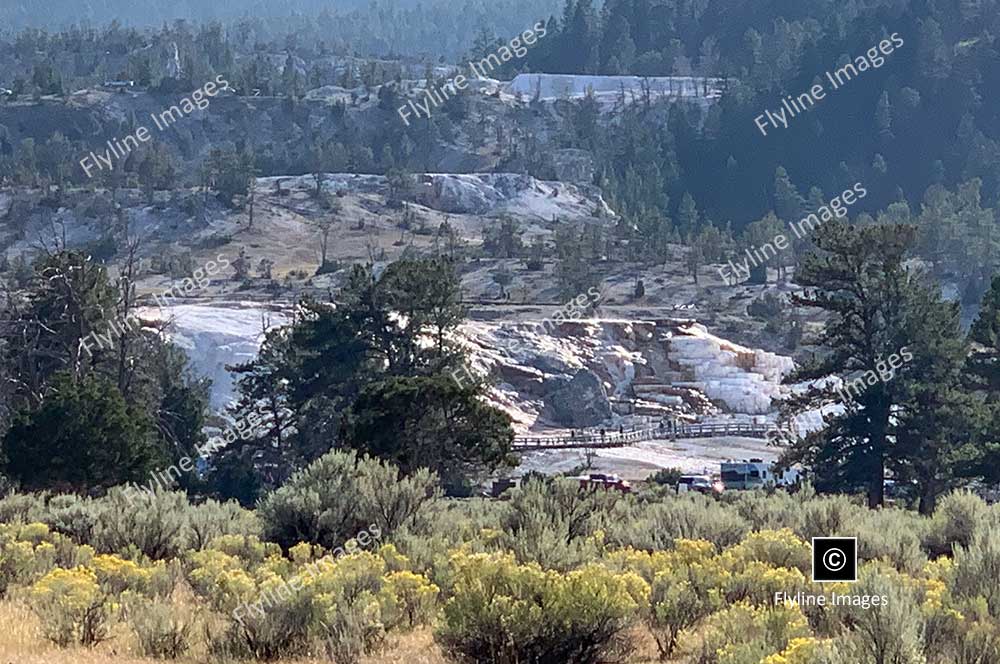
(857, 276)
(937, 420)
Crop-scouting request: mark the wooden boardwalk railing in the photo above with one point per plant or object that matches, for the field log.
(616, 439)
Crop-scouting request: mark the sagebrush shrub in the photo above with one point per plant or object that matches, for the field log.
(161, 630)
(694, 517)
(340, 495)
(212, 519)
(978, 644)
(976, 571)
(74, 516)
(892, 535)
(23, 507)
(553, 523)
(955, 522)
(507, 613)
(771, 511)
(154, 524)
(827, 516)
(892, 631)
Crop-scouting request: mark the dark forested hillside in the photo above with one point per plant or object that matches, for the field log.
(408, 27)
(915, 127)
(925, 116)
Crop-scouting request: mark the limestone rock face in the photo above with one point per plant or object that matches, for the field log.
(575, 373)
(468, 195)
(656, 368)
(580, 401)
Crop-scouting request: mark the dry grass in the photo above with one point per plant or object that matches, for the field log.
(22, 642)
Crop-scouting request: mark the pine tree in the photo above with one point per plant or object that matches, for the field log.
(759, 239)
(857, 275)
(446, 427)
(318, 367)
(788, 203)
(687, 215)
(935, 420)
(984, 361)
(83, 437)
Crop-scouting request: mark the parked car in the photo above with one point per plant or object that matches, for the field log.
(698, 483)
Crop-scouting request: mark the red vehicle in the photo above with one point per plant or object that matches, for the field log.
(602, 481)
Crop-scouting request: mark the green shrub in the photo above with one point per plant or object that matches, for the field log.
(22, 562)
(247, 548)
(154, 524)
(678, 601)
(72, 607)
(552, 523)
(666, 476)
(340, 495)
(161, 630)
(505, 613)
(776, 548)
(744, 634)
(976, 571)
(413, 600)
(955, 521)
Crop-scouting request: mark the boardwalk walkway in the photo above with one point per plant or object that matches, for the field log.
(615, 439)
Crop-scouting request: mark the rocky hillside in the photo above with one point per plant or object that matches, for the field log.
(591, 372)
(547, 374)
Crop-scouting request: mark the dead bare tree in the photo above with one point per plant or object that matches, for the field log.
(324, 226)
(251, 199)
(125, 308)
